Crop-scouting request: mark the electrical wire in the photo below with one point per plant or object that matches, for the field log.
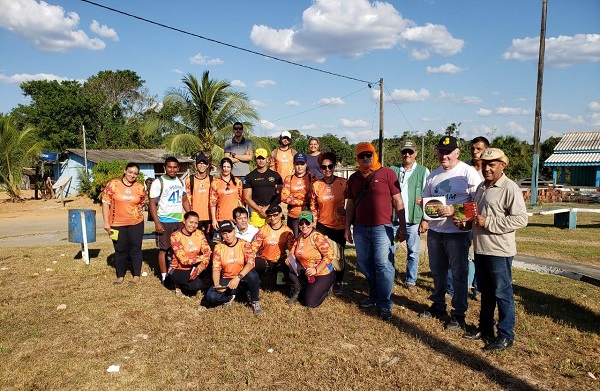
(223, 43)
(398, 107)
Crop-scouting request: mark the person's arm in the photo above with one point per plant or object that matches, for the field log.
(205, 252)
(247, 195)
(179, 251)
(216, 267)
(349, 220)
(246, 157)
(213, 204)
(287, 190)
(106, 216)
(186, 203)
(272, 163)
(399, 208)
(158, 227)
(248, 266)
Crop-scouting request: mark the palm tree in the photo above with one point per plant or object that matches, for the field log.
(17, 149)
(203, 112)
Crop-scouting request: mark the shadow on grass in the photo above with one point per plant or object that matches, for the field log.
(357, 290)
(92, 252)
(560, 310)
(550, 225)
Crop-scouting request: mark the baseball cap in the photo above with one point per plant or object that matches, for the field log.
(408, 145)
(201, 158)
(261, 152)
(447, 143)
(285, 133)
(300, 157)
(226, 226)
(305, 215)
(494, 154)
(274, 209)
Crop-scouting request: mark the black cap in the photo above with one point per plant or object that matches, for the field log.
(201, 158)
(274, 209)
(447, 143)
(226, 226)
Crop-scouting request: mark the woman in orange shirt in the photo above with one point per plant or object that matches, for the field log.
(122, 202)
(225, 194)
(327, 204)
(296, 191)
(191, 255)
(311, 272)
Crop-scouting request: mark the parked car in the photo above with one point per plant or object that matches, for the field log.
(542, 182)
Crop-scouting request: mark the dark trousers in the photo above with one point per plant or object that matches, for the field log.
(267, 271)
(312, 294)
(250, 282)
(337, 235)
(292, 222)
(181, 278)
(128, 247)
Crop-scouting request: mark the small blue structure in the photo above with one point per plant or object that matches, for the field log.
(579, 152)
(82, 222)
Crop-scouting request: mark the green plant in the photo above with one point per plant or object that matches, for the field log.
(101, 174)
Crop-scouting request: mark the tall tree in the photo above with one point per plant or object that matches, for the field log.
(17, 149)
(204, 109)
(520, 154)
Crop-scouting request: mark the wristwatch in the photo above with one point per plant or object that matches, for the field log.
(240, 276)
(233, 155)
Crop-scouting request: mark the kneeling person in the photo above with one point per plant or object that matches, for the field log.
(191, 255)
(233, 269)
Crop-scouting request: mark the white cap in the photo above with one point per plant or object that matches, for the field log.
(286, 134)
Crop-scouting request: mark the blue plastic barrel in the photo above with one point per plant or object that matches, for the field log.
(76, 223)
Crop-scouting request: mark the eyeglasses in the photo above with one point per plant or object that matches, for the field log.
(407, 152)
(327, 167)
(238, 128)
(272, 216)
(303, 222)
(365, 155)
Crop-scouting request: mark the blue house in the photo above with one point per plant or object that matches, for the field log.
(578, 152)
(151, 162)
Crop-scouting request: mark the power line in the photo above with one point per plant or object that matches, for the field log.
(398, 107)
(223, 43)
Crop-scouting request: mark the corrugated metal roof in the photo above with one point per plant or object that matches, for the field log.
(128, 155)
(573, 159)
(579, 142)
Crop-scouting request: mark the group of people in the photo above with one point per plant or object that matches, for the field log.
(228, 232)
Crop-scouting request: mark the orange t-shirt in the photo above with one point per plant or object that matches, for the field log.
(310, 255)
(188, 251)
(225, 197)
(282, 161)
(230, 260)
(271, 244)
(296, 193)
(125, 202)
(327, 203)
(199, 201)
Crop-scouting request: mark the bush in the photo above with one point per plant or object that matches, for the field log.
(101, 174)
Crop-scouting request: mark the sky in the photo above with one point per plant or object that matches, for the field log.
(471, 62)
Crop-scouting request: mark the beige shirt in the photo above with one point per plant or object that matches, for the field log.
(505, 212)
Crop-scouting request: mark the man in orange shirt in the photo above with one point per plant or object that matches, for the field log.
(197, 187)
(282, 156)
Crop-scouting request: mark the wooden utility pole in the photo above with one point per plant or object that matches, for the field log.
(538, 109)
(380, 150)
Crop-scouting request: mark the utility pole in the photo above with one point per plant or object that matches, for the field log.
(380, 151)
(538, 110)
(84, 151)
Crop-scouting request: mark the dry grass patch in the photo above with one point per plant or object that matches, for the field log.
(161, 341)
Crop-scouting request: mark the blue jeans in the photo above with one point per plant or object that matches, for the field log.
(472, 282)
(413, 245)
(449, 250)
(374, 246)
(250, 282)
(494, 278)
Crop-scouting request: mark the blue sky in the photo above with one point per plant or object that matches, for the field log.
(442, 61)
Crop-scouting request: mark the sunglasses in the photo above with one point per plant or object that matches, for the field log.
(327, 167)
(365, 155)
(303, 222)
(407, 152)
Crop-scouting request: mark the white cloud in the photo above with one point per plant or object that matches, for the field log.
(331, 101)
(359, 123)
(351, 28)
(309, 127)
(400, 96)
(445, 69)
(428, 119)
(434, 36)
(594, 106)
(264, 83)
(558, 117)
(483, 112)
(104, 31)
(560, 52)
(178, 71)
(354, 137)
(257, 104)
(199, 59)
(23, 77)
(512, 111)
(595, 120)
(238, 83)
(514, 127)
(46, 26)
(467, 100)
(292, 103)
(267, 124)
(420, 54)
(521, 99)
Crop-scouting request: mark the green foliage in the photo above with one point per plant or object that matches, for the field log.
(101, 174)
(18, 148)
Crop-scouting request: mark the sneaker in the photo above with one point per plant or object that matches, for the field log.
(411, 288)
(366, 303)
(385, 314)
(477, 334)
(432, 313)
(455, 324)
(228, 304)
(179, 293)
(294, 295)
(256, 307)
(337, 288)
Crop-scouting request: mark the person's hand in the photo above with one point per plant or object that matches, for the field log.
(159, 228)
(423, 226)
(107, 228)
(311, 271)
(233, 283)
(445, 211)
(458, 222)
(479, 221)
(262, 211)
(215, 225)
(348, 236)
(401, 233)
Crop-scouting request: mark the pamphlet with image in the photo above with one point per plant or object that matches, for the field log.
(466, 211)
(430, 207)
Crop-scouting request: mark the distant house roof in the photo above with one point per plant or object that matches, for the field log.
(140, 156)
(576, 149)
